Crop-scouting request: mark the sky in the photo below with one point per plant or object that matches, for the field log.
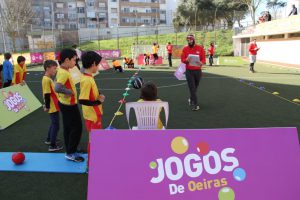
(261, 8)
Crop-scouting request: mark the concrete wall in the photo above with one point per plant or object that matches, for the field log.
(285, 51)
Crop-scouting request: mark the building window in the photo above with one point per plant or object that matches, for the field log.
(81, 20)
(126, 10)
(125, 20)
(60, 16)
(114, 10)
(73, 26)
(91, 25)
(72, 5)
(72, 16)
(114, 20)
(153, 10)
(91, 3)
(113, 0)
(59, 5)
(80, 10)
(91, 14)
(102, 5)
(61, 26)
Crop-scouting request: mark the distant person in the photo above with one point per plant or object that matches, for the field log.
(155, 48)
(211, 53)
(169, 48)
(7, 70)
(269, 17)
(20, 71)
(252, 54)
(1, 81)
(147, 58)
(294, 10)
(117, 65)
(78, 53)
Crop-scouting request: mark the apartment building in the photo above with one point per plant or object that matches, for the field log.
(70, 15)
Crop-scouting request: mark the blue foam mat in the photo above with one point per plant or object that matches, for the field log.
(42, 162)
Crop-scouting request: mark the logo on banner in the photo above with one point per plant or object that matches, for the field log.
(204, 160)
(14, 102)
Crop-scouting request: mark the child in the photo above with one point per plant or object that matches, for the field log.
(155, 48)
(89, 96)
(149, 93)
(67, 96)
(129, 62)
(147, 58)
(1, 81)
(20, 71)
(117, 65)
(51, 104)
(7, 70)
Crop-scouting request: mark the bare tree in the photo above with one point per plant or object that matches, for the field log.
(275, 6)
(253, 5)
(16, 15)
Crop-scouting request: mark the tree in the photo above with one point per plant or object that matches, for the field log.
(275, 5)
(16, 15)
(230, 11)
(252, 6)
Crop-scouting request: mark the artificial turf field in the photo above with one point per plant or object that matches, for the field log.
(229, 97)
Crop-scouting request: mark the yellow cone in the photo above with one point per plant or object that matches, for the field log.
(119, 113)
(275, 93)
(296, 100)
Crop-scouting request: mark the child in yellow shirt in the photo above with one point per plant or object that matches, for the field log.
(90, 97)
(20, 70)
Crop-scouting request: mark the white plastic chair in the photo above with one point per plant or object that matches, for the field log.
(147, 114)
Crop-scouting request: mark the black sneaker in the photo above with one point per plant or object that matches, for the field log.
(55, 148)
(74, 157)
(47, 142)
(196, 108)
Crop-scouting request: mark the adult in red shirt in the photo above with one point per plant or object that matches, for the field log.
(252, 54)
(169, 48)
(193, 68)
(211, 52)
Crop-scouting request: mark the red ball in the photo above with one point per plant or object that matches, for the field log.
(203, 148)
(18, 158)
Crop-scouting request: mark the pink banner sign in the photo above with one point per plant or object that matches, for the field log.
(141, 60)
(103, 65)
(109, 53)
(36, 57)
(215, 164)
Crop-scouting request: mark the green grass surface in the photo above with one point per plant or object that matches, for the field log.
(225, 103)
(223, 37)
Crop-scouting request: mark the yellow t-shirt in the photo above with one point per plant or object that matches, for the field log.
(63, 77)
(154, 49)
(116, 63)
(19, 71)
(159, 123)
(89, 91)
(48, 88)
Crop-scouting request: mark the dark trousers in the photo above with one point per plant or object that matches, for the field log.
(251, 67)
(118, 68)
(54, 128)
(7, 83)
(211, 59)
(193, 79)
(72, 126)
(170, 59)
